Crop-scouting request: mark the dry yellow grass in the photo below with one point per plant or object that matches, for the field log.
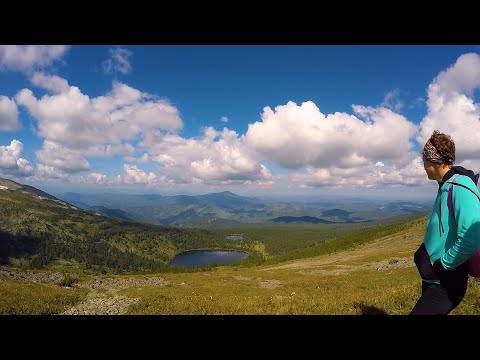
(28, 298)
(374, 278)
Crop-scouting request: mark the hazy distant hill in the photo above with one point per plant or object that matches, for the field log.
(216, 209)
(179, 210)
(111, 212)
(336, 212)
(224, 199)
(404, 206)
(308, 219)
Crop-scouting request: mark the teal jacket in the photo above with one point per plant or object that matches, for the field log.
(453, 241)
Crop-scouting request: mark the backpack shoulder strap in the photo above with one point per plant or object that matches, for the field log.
(450, 195)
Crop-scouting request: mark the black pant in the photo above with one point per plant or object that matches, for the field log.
(440, 299)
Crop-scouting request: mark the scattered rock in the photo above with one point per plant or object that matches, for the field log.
(96, 303)
(46, 277)
(122, 283)
(325, 272)
(240, 277)
(102, 298)
(269, 284)
(392, 264)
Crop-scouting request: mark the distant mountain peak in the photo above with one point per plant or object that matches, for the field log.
(225, 194)
(228, 193)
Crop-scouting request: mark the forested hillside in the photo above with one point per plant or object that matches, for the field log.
(36, 231)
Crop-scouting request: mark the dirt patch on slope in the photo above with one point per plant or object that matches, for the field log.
(269, 284)
(241, 278)
(102, 303)
(45, 277)
(103, 298)
(121, 283)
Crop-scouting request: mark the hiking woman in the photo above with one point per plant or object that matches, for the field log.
(449, 241)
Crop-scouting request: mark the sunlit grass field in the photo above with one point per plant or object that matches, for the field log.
(370, 274)
(28, 298)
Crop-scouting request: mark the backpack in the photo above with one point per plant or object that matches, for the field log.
(474, 261)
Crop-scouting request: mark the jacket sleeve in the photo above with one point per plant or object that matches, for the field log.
(467, 215)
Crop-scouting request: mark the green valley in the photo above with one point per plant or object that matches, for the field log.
(59, 259)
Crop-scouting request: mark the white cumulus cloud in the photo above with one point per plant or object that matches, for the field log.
(75, 125)
(53, 83)
(216, 157)
(392, 100)
(134, 175)
(452, 109)
(92, 178)
(119, 61)
(8, 114)
(45, 173)
(295, 136)
(107, 150)
(26, 58)
(366, 176)
(76, 121)
(11, 162)
(142, 159)
(62, 158)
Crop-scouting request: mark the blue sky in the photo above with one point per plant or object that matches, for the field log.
(286, 120)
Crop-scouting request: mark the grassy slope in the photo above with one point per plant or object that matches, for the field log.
(42, 231)
(372, 278)
(344, 282)
(377, 277)
(20, 298)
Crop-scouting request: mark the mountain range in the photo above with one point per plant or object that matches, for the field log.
(118, 233)
(226, 209)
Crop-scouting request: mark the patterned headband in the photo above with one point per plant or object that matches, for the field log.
(430, 153)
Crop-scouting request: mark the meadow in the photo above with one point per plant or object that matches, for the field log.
(369, 272)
